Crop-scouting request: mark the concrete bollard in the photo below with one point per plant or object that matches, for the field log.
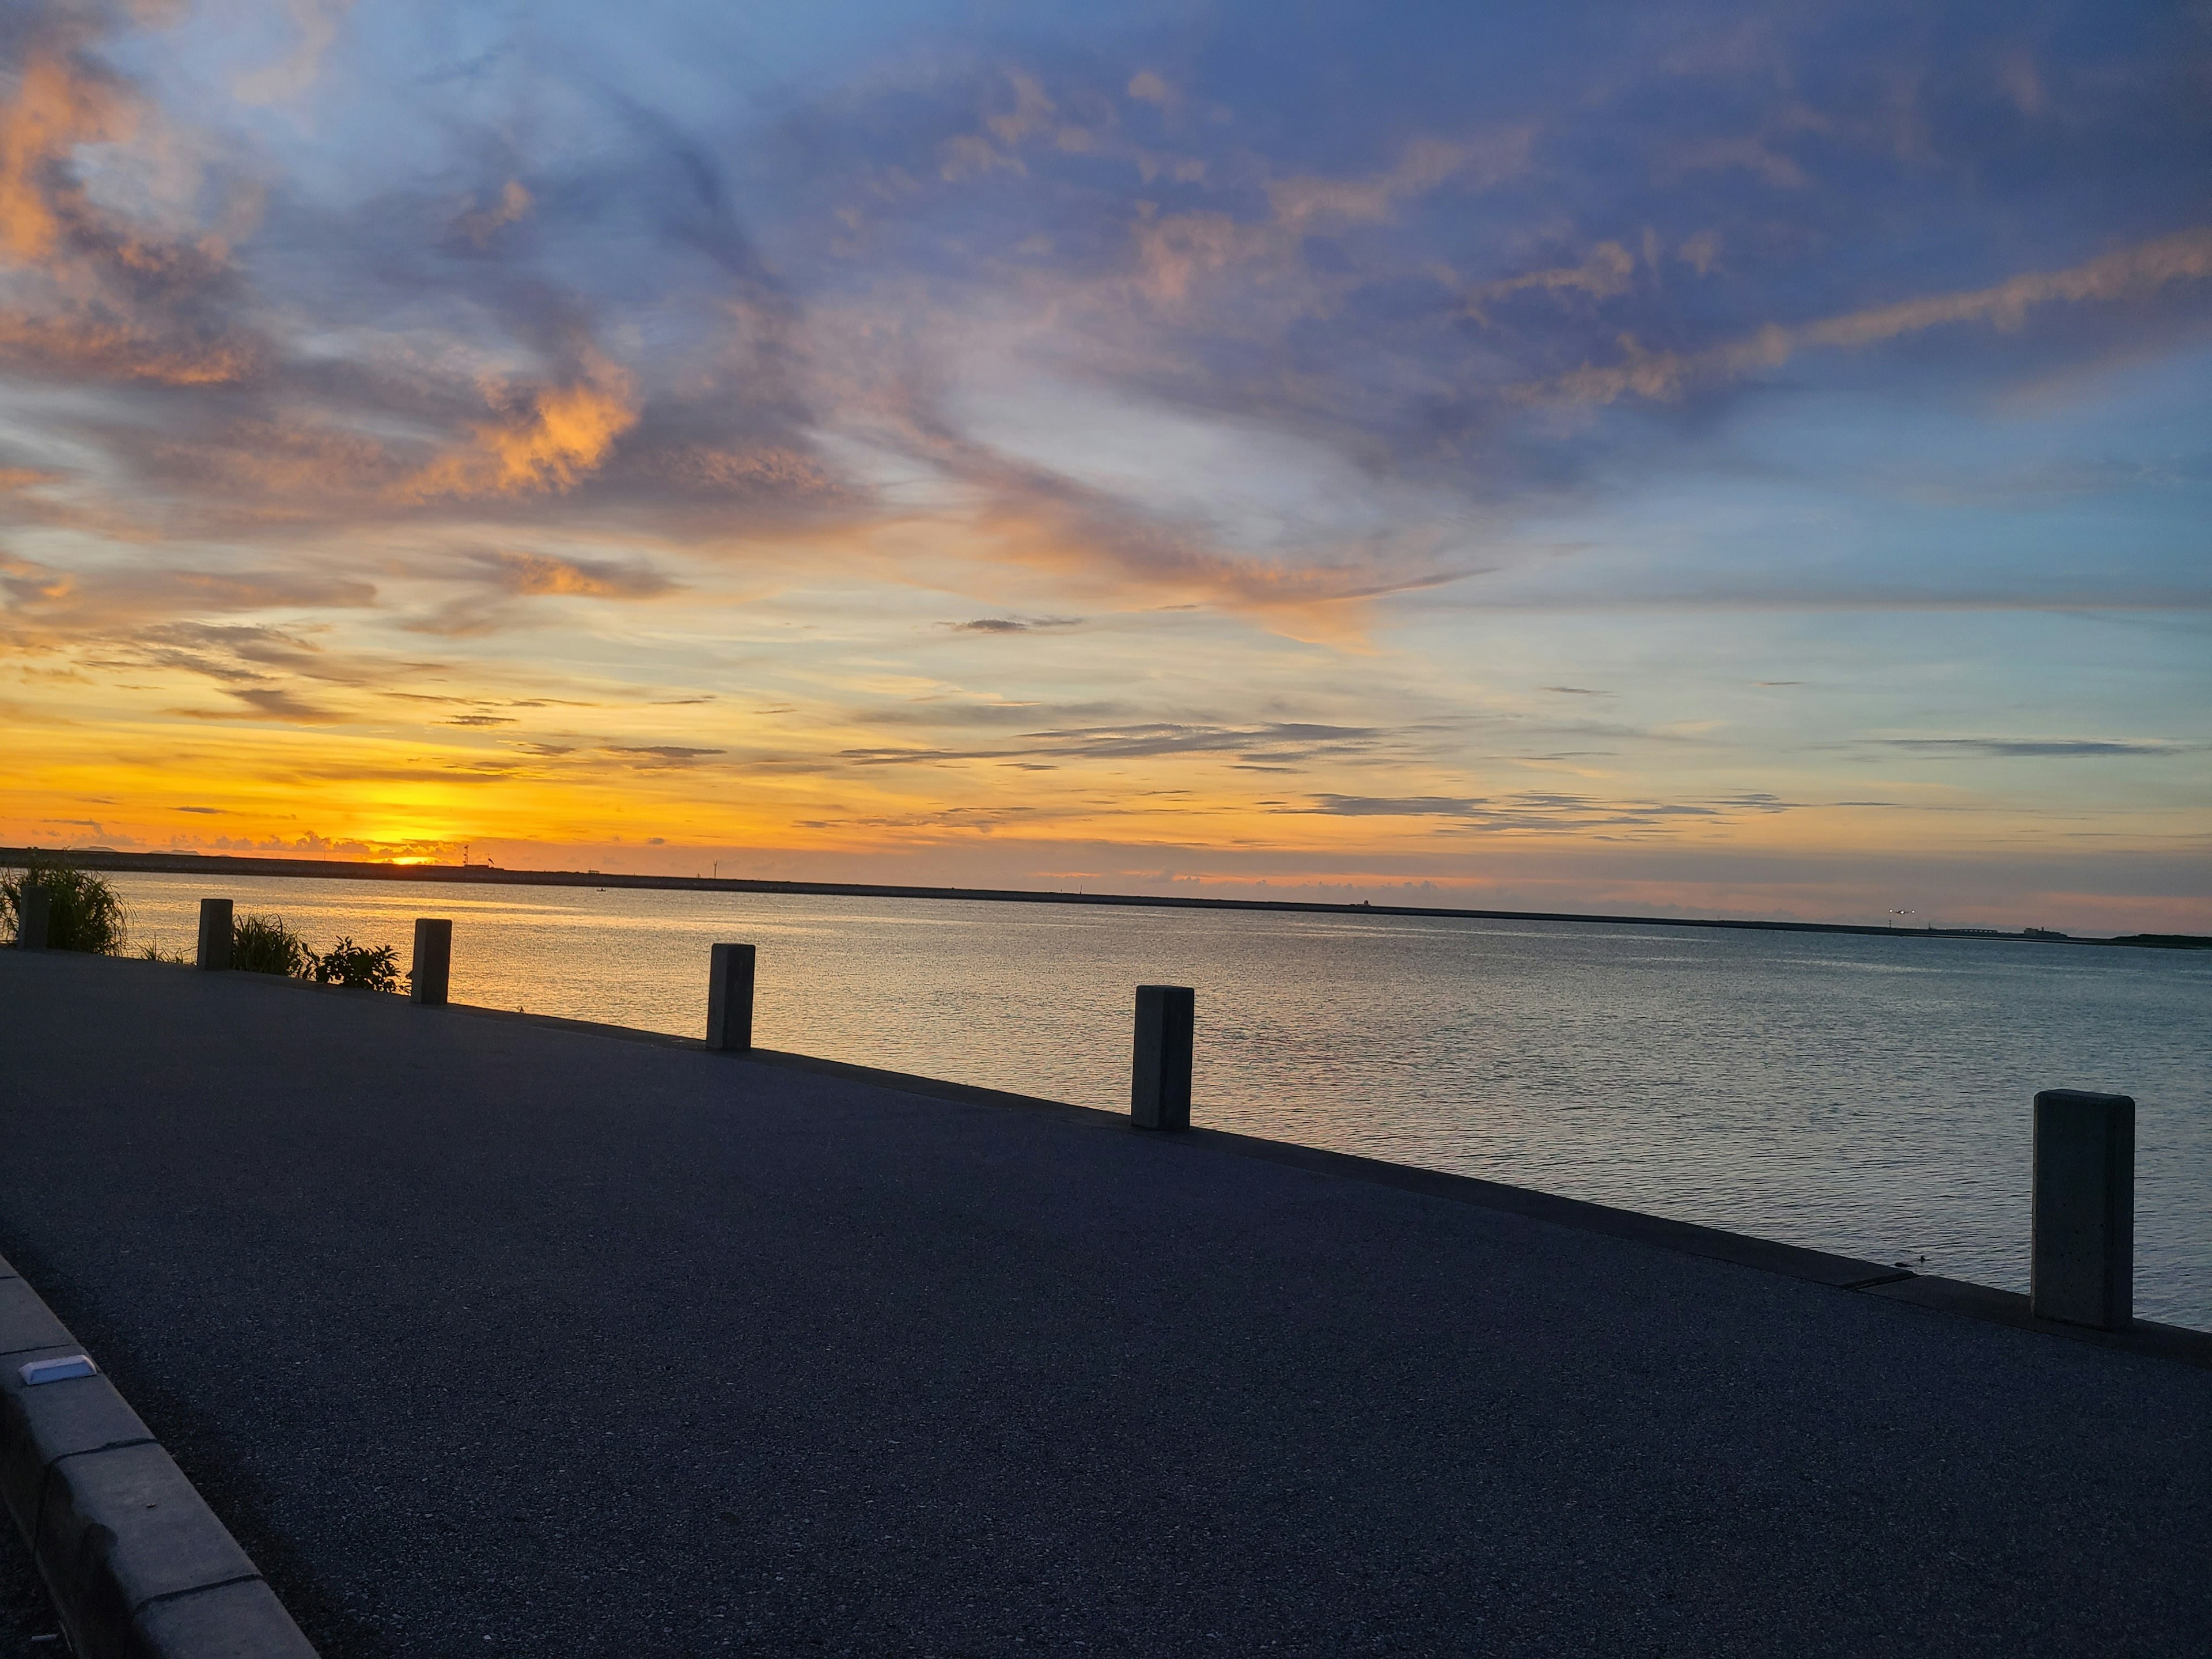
(34, 916)
(2083, 1268)
(1159, 1077)
(433, 961)
(215, 933)
(730, 998)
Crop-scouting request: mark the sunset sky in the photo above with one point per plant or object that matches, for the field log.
(1732, 460)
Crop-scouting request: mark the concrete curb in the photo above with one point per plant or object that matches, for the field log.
(1958, 1296)
(137, 1564)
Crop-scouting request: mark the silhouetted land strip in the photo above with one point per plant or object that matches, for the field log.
(193, 863)
(488, 1333)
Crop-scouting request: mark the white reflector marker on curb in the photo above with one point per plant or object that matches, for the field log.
(59, 1371)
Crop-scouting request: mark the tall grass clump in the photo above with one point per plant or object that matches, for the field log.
(263, 945)
(85, 913)
(374, 968)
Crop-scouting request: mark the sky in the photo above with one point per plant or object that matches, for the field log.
(1676, 458)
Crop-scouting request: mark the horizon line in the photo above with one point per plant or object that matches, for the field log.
(186, 863)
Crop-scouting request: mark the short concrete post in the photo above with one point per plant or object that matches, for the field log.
(34, 915)
(1160, 1075)
(730, 998)
(433, 961)
(2083, 1270)
(215, 933)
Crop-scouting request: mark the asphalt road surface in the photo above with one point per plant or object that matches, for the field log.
(27, 1629)
(489, 1337)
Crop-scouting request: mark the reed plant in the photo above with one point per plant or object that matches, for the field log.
(84, 912)
(263, 945)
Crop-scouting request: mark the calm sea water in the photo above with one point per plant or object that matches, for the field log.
(1865, 1095)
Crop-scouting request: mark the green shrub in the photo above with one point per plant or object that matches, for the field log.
(174, 958)
(376, 969)
(263, 945)
(85, 913)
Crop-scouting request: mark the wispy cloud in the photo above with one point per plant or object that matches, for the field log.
(1545, 810)
(491, 580)
(1281, 742)
(1014, 625)
(2042, 748)
(1307, 202)
(658, 755)
(2129, 272)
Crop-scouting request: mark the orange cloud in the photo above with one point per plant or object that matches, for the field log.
(54, 110)
(118, 349)
(29, 584)
(558, 435)
(568, 430)
(98, 297)
(776, 469)
(542, 573)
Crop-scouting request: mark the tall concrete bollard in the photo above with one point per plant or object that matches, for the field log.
(34, 916)
(433, 961)
(1159, 1073)
(215, 933)
(2083, 1270)
(730, 998)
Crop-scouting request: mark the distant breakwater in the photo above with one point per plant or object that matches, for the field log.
(213, 863)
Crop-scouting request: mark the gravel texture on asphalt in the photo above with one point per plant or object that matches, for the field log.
(27, 1627)
(486, 1336)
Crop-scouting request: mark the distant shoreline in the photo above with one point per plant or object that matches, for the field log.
(479, 875)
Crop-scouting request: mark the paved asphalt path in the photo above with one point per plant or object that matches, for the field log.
(27, 1627)
(491, 1337)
